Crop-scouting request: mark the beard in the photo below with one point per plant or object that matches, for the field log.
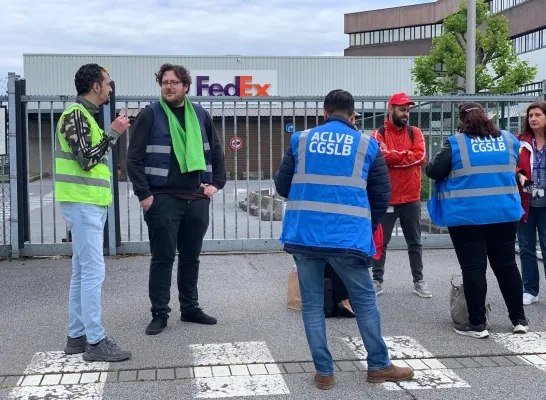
(399, 122)
(176, 101)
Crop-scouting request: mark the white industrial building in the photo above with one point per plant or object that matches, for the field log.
(291, 78)
(51, 74)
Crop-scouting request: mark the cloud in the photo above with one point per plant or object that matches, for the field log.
(212, 27)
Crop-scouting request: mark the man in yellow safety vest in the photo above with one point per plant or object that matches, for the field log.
(82, 186)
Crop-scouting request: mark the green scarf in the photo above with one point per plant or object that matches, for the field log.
(188, 144)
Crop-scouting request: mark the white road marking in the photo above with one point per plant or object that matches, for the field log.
(429, 372)
(529, 343)
(236, 370)
(34, 204)
(525, 345)
(54, 375)
(239, 386)
(231, 353)
(400, 347)
(431, 379)
(34, 200)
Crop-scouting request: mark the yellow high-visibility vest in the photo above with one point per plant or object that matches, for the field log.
(72, 183)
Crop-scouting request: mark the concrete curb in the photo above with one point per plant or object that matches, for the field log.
(283, 368)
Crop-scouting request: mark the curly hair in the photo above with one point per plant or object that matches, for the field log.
(87, 76)
(474, 122)
(181, 73)
(540, 105)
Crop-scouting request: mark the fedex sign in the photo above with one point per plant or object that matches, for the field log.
(235, 83)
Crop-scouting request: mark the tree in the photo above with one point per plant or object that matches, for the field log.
(498, 68)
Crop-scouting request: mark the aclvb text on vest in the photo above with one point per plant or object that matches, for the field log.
(331, 143)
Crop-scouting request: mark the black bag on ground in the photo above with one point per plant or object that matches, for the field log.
(330, 303)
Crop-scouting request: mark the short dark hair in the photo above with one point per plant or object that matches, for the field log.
(87, 76)
(339, 101)
(539, 104)
(181, 73)
(474, 122)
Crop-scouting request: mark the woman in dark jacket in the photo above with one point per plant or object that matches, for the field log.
(531, 177)
(476, 197)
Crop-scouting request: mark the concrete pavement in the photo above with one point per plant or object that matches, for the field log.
(258, 349)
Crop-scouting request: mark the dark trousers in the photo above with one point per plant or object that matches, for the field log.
(474, 244)
(527, 236)
(174, 222)
(410, 222)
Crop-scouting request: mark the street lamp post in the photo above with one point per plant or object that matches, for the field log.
(471, 47)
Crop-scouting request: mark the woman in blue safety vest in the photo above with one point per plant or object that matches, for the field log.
(476, 197)
(531, 177)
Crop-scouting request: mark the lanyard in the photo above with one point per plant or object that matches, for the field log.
(539, 158)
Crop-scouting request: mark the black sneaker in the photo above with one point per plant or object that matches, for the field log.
(475, 331)
(198, 316)
(75, 345)
(521, 326)
(159, 322)
(106, 350)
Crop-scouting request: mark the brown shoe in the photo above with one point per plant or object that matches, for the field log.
(390, 374)
(324, 382)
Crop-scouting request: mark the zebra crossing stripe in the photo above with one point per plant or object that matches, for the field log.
(405, 351)
(530, 347)
(54, 375)
(236, 370)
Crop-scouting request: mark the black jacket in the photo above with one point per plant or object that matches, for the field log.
(177, 183)
(378, 187)
(439, 167)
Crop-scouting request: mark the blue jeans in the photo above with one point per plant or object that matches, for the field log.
(86, 223)
(354, 273)
(527, 233)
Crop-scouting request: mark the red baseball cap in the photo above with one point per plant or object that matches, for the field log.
(400, 99)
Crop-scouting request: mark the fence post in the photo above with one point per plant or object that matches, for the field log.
(544, 89)
(12, 133)
(115, 167)
(105, 117)
(22, 170)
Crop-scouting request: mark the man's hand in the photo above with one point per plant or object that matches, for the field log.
(147, 203)
(209, 190)
(121, 124)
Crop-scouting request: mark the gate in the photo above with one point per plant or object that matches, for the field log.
(247, 214)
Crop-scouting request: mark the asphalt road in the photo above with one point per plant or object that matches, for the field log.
(258, 349)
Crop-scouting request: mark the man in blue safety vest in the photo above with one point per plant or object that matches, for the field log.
(337, 185)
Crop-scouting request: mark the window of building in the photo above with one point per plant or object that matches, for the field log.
(530, 42)
(497, 6)
(428, 31)
(396, 35)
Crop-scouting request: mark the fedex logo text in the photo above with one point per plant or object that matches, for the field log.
(242, 87)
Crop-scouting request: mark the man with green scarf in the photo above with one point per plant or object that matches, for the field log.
(176, 164)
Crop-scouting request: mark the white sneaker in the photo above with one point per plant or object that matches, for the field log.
(529, 299)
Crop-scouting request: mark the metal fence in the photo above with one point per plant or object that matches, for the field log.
(246, 215)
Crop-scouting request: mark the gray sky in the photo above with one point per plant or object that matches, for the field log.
(210, 27)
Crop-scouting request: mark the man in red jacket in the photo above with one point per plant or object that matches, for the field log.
(404, 150)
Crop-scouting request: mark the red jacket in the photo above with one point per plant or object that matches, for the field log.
(526, 154)
(404, 160)
(378, 241)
